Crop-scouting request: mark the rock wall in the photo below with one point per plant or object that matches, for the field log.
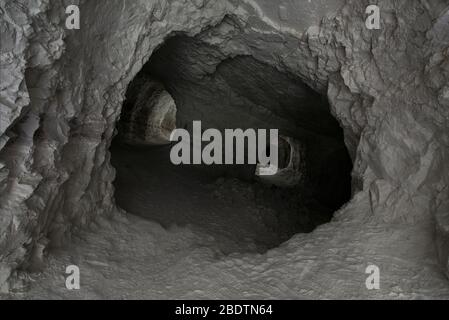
(61, 93)
(148, 115)
(291, 167)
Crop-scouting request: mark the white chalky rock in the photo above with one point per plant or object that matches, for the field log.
(61, 93)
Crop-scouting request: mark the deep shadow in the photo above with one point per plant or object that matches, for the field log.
(228, 202)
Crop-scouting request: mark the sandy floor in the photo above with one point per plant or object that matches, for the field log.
(203, 253)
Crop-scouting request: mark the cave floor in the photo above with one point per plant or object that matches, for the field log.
(223, 211)
(225, 256)
(133, 258)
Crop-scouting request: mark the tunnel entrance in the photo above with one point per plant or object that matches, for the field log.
(230, 207)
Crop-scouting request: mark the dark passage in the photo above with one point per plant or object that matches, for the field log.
(187, 80)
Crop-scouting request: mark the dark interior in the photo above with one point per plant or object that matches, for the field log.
(237, 92)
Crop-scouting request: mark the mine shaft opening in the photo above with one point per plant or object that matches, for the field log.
(232, 207)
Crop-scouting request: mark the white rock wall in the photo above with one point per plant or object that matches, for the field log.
(148, 114)
(61, 93)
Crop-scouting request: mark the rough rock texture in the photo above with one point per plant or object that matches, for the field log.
(61, 92)
(291, 167)
(226, 84)
(149, 113)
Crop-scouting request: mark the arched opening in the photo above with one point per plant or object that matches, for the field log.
(187, 80)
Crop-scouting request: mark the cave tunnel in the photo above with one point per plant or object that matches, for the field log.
(92, 206)
(188, 80)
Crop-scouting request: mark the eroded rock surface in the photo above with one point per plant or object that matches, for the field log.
(61, 93)
(150, 117)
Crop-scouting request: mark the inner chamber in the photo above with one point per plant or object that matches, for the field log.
(231, 206)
